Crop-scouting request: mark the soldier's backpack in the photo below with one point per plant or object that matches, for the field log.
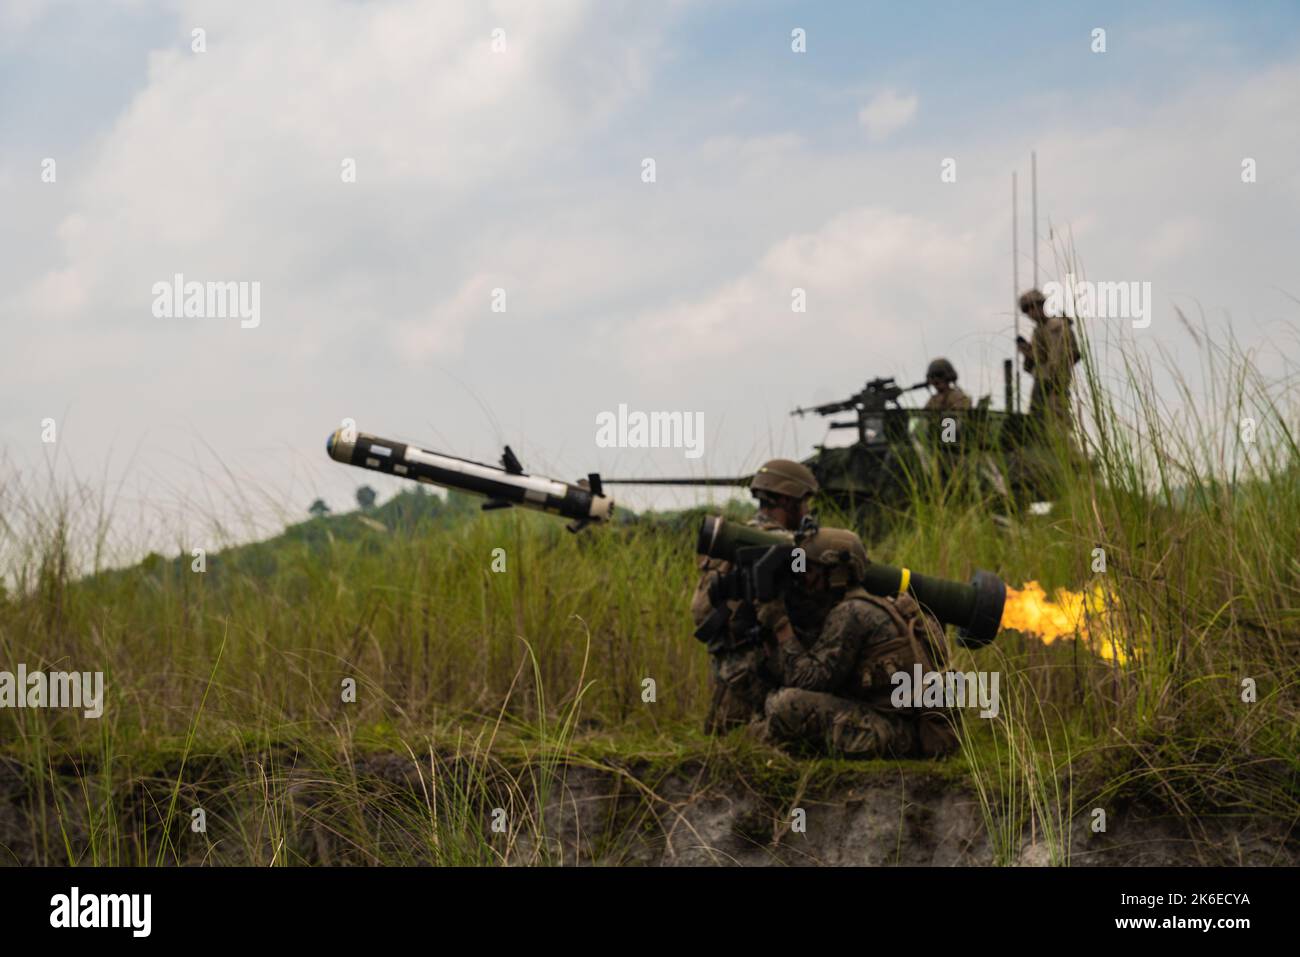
(918, 638)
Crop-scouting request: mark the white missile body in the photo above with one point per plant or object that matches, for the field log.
(503, 487)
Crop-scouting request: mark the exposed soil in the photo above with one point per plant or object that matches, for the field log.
(643, 814)
(908, 818)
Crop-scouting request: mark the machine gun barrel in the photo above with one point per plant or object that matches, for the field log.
(733, 481)
(877, 392)
(503, 486)
(830, 408)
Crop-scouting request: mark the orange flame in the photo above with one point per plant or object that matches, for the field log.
(1085, 616)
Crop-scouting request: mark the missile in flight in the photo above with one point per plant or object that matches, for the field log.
(503, 486)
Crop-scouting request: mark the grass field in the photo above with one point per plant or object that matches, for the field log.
(225, 689)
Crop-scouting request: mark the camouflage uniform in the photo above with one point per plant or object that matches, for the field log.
(836, 687)
(954, 400)
(741, 677)
(1053, 352)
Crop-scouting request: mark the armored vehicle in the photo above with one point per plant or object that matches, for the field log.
(894, 451)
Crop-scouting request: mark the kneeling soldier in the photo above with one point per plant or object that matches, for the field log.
(836, 684)
(740, 675)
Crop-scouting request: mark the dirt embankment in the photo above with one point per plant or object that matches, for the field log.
(382, 809)
(636, 814)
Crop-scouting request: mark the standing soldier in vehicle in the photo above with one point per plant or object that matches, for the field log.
(836, 684)
(740, 674)
(945, 429)
(1050, 356)
(942, 377)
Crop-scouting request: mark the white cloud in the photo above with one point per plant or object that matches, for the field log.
(17, 15)
(869, 276)
(521, 171)
(925, 269)
(886, 114)
(441, 333)
(227, 164)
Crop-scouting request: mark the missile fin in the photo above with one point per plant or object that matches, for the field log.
(510, 462)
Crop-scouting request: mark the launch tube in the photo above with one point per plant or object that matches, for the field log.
(976, 609)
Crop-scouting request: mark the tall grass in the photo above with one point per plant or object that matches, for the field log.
(476, 687)
(1193, 501)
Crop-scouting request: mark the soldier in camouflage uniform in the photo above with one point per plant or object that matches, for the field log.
(942, 377)
(836, 682)
(740, 678)
(1050, 356)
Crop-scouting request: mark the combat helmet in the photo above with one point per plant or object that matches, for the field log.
(941, 369)
(841, 552)
(1034, 297)
(784, 477)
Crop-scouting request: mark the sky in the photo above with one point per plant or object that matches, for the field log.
(503, 145)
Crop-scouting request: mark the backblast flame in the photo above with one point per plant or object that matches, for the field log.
(1084, 616)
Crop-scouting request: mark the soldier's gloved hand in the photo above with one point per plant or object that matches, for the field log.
(772, 616)
(721, 588)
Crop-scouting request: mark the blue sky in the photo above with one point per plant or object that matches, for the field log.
(71, 69)
(521, 170)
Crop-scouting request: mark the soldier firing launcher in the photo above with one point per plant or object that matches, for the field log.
(763, 560)
(506, 486)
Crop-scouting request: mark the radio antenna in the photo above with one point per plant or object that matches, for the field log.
(1015, 286)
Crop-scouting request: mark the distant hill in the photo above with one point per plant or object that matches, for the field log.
(413, 512)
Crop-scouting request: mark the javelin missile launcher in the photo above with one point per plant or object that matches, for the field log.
(764, 558)
(585, 502)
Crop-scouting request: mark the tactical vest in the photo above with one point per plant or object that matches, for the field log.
(918, 638)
